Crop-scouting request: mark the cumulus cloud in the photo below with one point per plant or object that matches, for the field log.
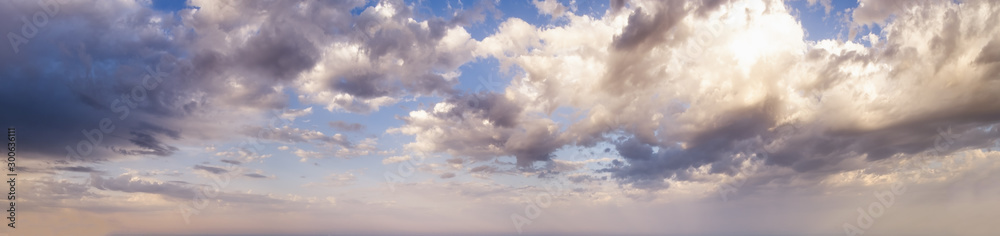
(677, 87)
(289, 134)
(166, 79)
(483, 125)
(346, 127)
(549, 7)
(869, 12)
(305, 155)
(387, 56)
(291, 114)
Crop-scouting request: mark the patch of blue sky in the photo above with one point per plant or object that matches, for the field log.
(819, 24)
(358, 10)
(482, 75)
(595, 9)
(521, 9)
(423, 10)
(567, 116)
(170, 5)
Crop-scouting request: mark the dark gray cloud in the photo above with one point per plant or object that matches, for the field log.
(234, 162)
(400, 57)
(66, 104)
(255, 175)
(645, 31)
(617, 6)
(346, 126)
(147, 145)
(585, 178)
(212, 169)
(160, 78)
(486, 125)
(739, 132)
(455, 160)
(278, 53)
(990, 53)
(448, 175)
(84, 169)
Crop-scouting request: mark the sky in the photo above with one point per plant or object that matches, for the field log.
(540, 117)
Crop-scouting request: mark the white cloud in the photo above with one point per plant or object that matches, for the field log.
(305, 155)
(395, 159)
(243, 155)
(364, 147)
(335, 180)
(291, 114)
(689, 88)
(550, 7)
